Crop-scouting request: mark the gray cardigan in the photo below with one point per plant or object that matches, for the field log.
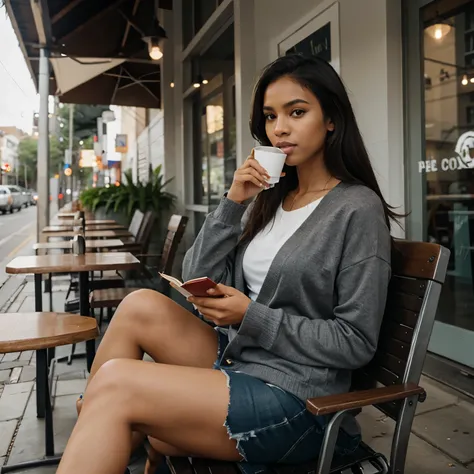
(320, 308)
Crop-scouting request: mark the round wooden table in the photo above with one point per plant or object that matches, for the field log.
(40, 332)
(69, 263)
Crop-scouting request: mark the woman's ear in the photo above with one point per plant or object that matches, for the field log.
(330, 125)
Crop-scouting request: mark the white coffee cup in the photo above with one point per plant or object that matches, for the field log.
(272, 159)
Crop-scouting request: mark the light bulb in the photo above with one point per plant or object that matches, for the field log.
(205, 81)
(196, 85)
(438, 31)
(154, 51)
(472, 80)
(464, 81)
(172, 85)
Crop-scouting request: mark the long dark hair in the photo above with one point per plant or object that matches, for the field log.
(345, 155)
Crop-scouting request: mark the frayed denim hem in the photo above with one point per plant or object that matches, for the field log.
(239, 437)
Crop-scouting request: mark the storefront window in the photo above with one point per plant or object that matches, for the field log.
(448, 167)
(211, 91)
(230, 164)
(212, 129)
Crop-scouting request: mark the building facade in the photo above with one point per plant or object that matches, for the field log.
(409, 68)
(9, 165)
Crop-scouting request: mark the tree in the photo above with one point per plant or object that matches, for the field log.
(28, 157)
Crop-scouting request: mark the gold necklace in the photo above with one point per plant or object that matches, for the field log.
(309, 192)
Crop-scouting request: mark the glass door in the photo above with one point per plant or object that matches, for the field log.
(446, 168)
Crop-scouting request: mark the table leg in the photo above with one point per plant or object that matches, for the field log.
(50, 292)
(42, 386)
(85, 311)
(52, 351)
(40, 402)
(38, 293)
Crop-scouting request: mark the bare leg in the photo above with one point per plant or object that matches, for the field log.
(147, 321)
(184, 407)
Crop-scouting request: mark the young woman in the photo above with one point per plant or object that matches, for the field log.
(304, 268)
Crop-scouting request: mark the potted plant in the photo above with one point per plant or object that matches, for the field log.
(120, 202)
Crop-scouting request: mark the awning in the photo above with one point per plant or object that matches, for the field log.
(71, 73)
(105, 32)
(128, 84)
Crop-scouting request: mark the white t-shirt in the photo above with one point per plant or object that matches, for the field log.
(263, 248)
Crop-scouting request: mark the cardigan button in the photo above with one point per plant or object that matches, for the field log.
(228, 362)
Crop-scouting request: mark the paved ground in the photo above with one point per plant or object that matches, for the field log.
(442, 440)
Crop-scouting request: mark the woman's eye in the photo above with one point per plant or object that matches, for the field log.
(269, 116)
(298, 112)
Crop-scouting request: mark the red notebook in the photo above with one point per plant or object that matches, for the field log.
(196, 287)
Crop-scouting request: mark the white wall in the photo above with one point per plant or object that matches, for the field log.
(272, 18)
(129, 127)
(371, 68)
(157, 139)
(9, 150)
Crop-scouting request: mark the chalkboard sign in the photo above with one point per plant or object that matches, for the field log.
(316, 44)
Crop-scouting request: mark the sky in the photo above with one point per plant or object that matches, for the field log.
(18, 98)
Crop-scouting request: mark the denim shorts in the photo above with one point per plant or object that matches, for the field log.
(270, 424)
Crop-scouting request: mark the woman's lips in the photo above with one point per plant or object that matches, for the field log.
(287, 149)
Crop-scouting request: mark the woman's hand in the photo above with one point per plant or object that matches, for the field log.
(225, 311)
(249, 180)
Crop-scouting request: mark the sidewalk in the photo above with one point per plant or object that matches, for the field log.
(443, 432)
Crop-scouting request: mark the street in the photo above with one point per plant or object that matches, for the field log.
(15, 230)
(17, 235)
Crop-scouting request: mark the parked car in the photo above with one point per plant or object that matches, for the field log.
(26, 195)
(33, 197)
(19, 199)
(6, 200)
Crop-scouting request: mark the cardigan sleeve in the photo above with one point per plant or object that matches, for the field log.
(212, 253)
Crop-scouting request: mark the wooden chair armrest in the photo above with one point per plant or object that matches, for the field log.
(148, 255)
(129, 245)
(359, 399)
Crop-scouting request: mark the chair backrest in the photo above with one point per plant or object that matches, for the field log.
(176, 227)
(418, 273)
(144, 233)
(136, 222)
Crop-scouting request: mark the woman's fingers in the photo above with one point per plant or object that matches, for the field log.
(210, 314)
(255, 166)
(252, 179)
(258, 167)
(251, 175)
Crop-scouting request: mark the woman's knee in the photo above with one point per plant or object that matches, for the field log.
(112, 384)
(144, 306)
